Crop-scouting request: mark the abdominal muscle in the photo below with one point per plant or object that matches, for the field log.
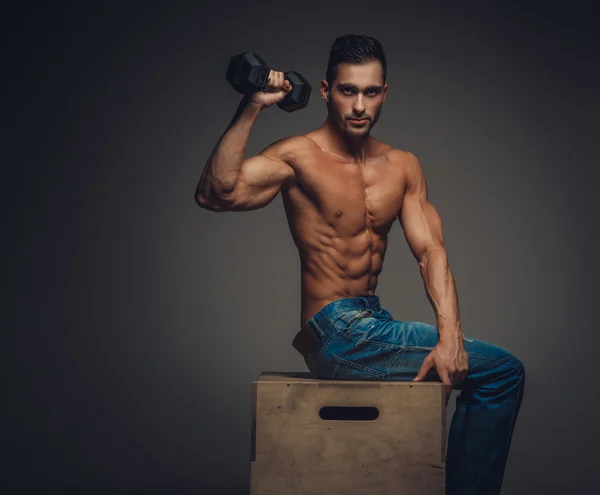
(342, 268)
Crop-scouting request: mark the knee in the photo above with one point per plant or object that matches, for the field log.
(519, 368)
(516, 371)
(516, 365)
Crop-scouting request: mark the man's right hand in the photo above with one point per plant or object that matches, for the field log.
(275, 91)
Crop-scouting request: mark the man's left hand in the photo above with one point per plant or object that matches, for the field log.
(450, 361)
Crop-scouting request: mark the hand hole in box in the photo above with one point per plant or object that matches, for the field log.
(349, 413)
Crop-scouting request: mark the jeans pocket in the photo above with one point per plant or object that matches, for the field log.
(342, 369)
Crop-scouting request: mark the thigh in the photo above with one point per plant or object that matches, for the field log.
(377, 347)
(413, 341)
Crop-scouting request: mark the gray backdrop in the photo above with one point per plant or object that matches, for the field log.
(137, 321)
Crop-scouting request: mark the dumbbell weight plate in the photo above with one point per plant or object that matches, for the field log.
(247, 73)
(298, 97)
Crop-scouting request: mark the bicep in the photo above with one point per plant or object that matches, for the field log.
(420, 220)
(259, 181)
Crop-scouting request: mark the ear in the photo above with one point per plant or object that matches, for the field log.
(385, 86)
(324, 88)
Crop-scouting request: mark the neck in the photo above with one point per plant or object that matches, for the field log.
(355, 147)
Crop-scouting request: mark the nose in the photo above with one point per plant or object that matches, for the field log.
(359, 105)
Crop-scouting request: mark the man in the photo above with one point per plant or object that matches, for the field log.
(342, 190)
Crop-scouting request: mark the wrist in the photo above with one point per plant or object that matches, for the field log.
(248, 102)
(256, 105)
(450, 333)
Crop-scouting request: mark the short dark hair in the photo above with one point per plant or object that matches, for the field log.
(356, 49)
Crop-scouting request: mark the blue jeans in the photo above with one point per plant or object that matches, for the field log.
(356, 339)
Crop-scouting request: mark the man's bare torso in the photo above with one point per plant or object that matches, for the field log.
(340, 212)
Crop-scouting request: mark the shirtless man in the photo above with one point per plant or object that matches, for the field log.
(342, 190)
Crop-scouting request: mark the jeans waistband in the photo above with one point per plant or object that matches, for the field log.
(335, 308)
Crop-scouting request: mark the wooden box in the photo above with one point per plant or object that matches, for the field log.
(343, 437)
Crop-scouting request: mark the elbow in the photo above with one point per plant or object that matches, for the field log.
(213, 197)
(211, 204)
(200, 200)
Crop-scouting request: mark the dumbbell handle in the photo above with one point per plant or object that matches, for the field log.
(253, 77)
(262, 77)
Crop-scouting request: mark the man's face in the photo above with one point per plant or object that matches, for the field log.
(356, 93)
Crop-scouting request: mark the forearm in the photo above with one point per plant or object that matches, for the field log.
(441, 292)
(222, 168)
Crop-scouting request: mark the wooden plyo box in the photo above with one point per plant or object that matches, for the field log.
(343, 437)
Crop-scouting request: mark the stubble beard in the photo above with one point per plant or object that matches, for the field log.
(344, 125)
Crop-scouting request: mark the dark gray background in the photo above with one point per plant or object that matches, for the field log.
(137, 321)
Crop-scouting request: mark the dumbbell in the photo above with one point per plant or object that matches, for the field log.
(248, 73)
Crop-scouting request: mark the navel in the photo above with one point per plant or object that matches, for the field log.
(338, 213)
